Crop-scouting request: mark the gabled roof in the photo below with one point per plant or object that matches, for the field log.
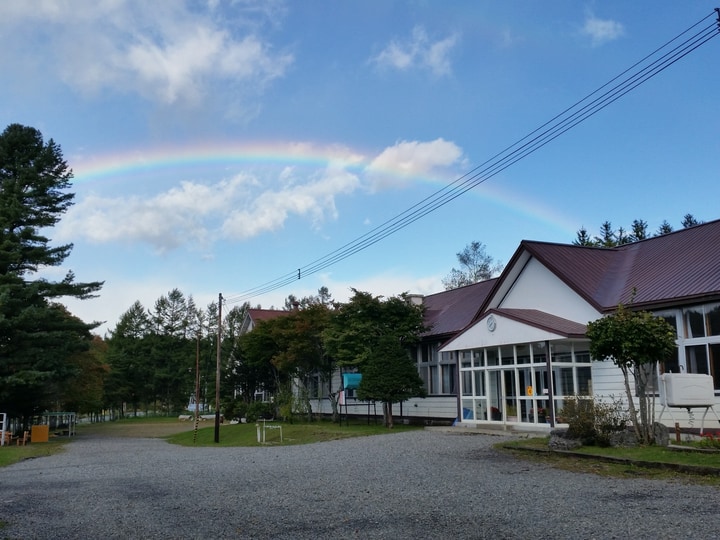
(448, 312)
(253, 316)
(544, 321)
(266, 314)
(678, 267)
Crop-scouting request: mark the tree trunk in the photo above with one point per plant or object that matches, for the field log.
(631, 403)
(387, 412)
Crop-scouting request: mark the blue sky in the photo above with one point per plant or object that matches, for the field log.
(218, 145)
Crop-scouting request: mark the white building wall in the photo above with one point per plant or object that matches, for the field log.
(538, 288)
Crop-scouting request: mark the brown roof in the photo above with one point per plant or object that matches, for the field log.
(682, 266)
(266, 314)
(450, 311)
(544, 321)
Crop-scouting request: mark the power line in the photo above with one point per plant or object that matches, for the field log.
(577, 113)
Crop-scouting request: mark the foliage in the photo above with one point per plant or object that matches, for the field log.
(593, 421)
(152, 355)
(37, 335)
(610, 237)
(259, 409)
(634, 341)
(373, 336)
(475, 265)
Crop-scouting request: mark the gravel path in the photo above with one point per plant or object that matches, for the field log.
(425, 484)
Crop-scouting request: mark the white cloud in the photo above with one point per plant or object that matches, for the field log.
(602, 31)
(410, 159)
(196, 214)
(270, 210)
(179, 216)
(164, 51)
(419, 51)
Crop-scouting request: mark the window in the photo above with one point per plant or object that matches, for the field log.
(712, 313)
(467, 389)
(694, 322)
(448, 378)
(649, 373)
(584, 375)
(696, 359)
(715, 364)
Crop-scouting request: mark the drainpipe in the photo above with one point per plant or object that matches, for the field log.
(551, 407)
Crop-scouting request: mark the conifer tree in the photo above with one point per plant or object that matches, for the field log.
(37, 334)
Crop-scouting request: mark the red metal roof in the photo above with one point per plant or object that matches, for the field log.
(544, 321)
(448, 312)
(679, 267)
(266, 314)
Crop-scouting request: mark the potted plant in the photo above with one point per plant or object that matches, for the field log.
(512, 413)
(495, 414)
(542, 415)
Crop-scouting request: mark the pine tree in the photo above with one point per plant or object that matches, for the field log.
(37, 334)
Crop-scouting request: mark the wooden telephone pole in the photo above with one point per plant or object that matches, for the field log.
(217, 372)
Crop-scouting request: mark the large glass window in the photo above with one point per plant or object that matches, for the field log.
(712, 313)
(694, 322)
(715, 364)
(696, 359)
(513, 385)
(448, 379)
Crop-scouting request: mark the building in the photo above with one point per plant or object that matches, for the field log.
(525, 351)
(512, 349)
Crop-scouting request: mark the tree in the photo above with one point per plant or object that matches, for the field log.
(302, 356)
(607, 236)
(664, 228)
(583, 238)
(635, 341)
(639, 230)
(390, 376)
(689, 221)
(475, 266)
(374, 336)
(37, 335)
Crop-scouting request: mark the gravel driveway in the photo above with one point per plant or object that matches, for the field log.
(425, 484)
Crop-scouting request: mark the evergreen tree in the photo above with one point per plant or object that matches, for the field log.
(37, 335)
(583, 238)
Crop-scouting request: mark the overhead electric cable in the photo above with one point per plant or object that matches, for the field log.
(550, 130)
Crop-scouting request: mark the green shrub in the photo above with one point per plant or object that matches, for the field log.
(591, 421)
(259, 409)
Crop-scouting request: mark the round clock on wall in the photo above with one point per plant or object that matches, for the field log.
(491, 323)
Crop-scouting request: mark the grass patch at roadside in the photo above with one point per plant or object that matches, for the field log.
(643, 461)
(13, 454)
(292, 434)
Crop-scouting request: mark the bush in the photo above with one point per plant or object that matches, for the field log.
(593, 422)
(234, 409)
(258, 410)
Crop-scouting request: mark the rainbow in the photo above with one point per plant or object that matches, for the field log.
(159, 161)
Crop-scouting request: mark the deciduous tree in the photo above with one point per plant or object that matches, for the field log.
(374, 336)
(635, 341)
(475, 265)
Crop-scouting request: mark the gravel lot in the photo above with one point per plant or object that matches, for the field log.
(426, 484)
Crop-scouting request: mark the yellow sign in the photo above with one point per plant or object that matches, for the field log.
(529, 390)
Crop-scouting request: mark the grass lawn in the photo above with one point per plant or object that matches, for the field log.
(12, 454)
(645, 461)
(295, 433)
(182, 432)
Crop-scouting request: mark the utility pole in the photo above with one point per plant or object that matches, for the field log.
(217, 372)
